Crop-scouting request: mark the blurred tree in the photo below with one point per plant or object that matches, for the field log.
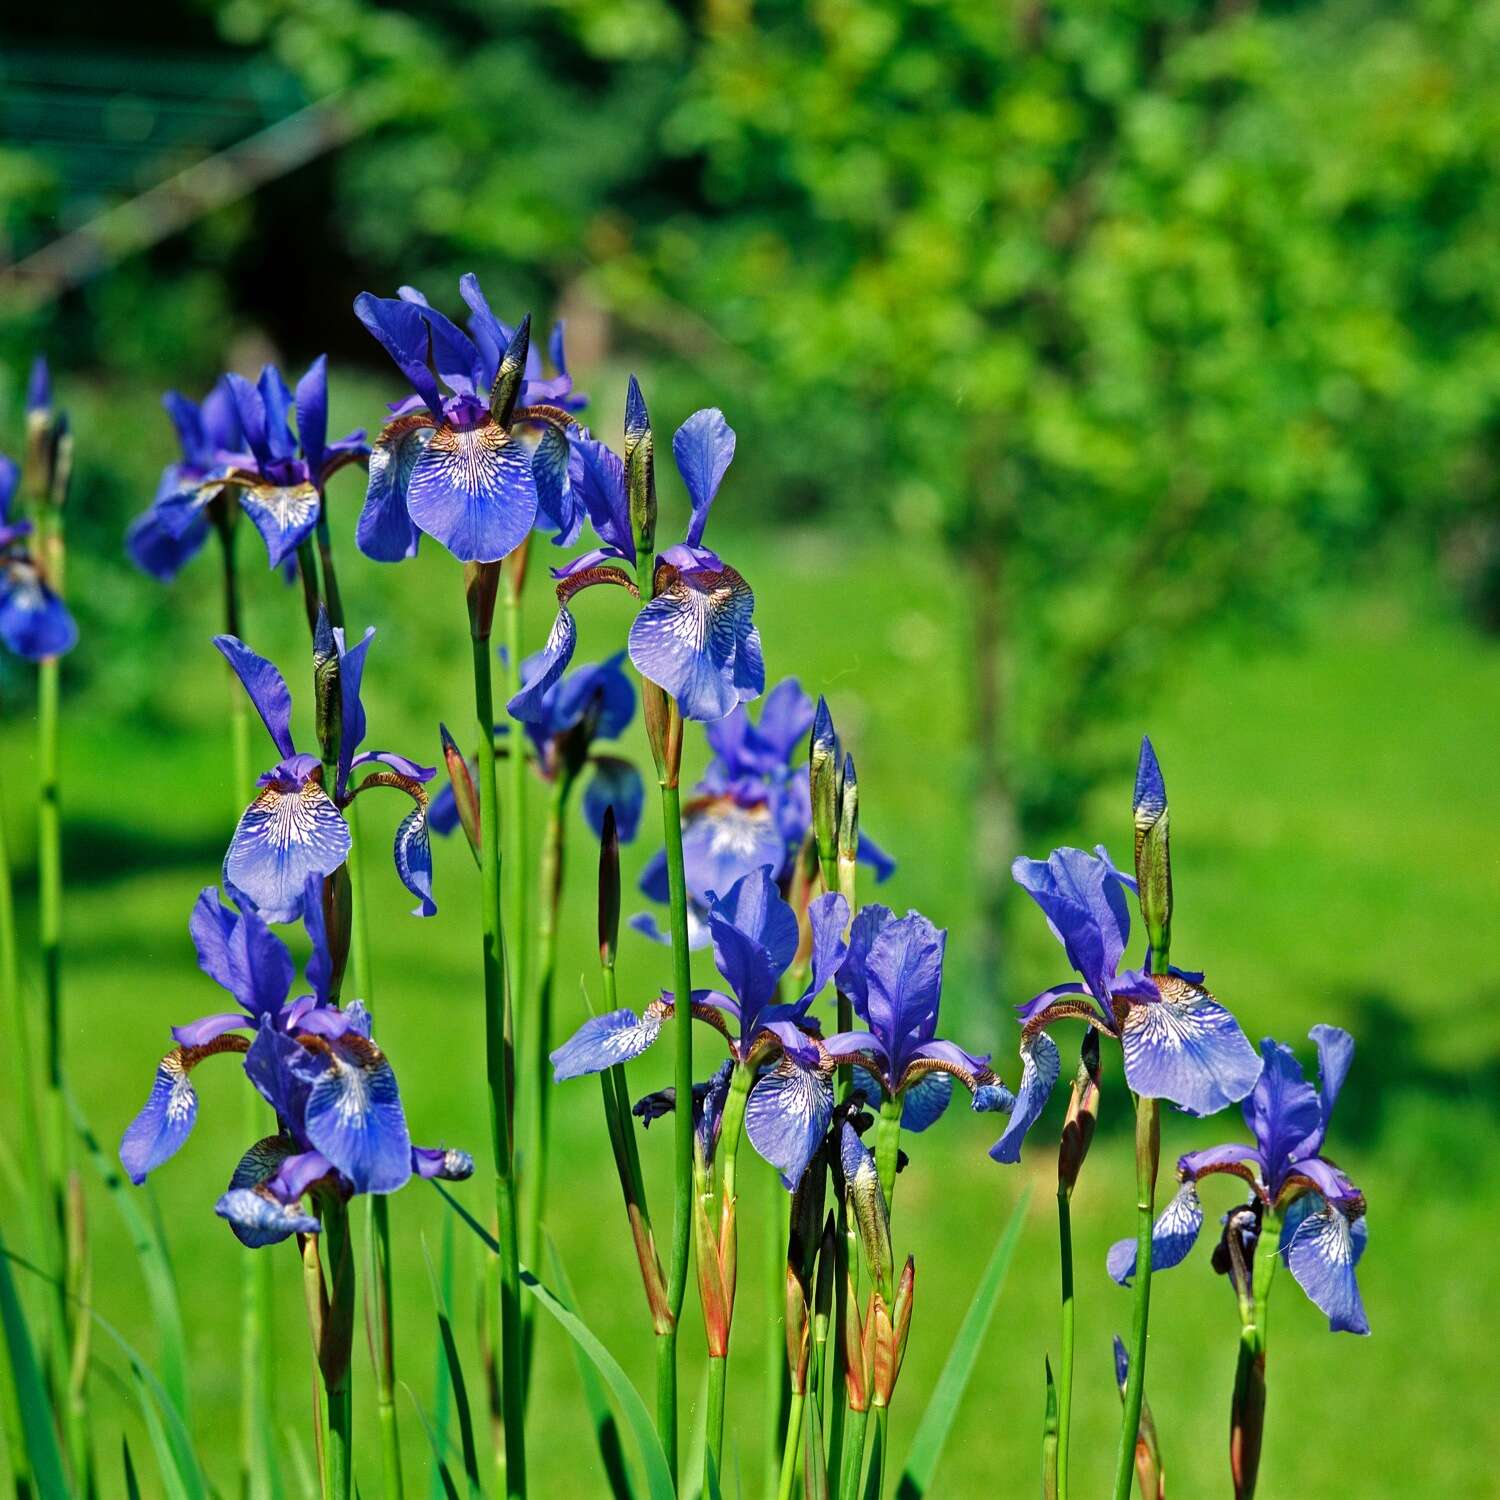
(1156, 310)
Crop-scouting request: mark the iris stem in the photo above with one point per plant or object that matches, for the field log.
(888, 1152)
(778, 1393)
(332, 600)
(877, 1457)
(1065, 1365)
(682, 1012)
(1147, 1152)
(713, 1447)
(497, 1053)
(854, 1454)
(1247, 1423)
(788, 1476)
(534, 1183)
(383, 1346)
(666, 1394)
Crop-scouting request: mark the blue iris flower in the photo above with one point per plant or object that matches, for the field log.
(695, 638)
(893, 976)
(341, 1126)
(1178, 1042)
(295, 828)
(278, 478)
(592, 703)
(34, 621)
(1322, 1213)
(755, 937)
(452, 465)
(752, 807)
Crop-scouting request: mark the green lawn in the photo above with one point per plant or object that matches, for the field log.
(1334, 813)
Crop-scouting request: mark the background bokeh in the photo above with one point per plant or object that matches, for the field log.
(1097, 369)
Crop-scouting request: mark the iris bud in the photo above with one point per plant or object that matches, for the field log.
(862, 1184)
(465, 793)
(609, 890)
(481, 584)
(640, 473)
(848, 822)
(511, 373)
(1083, 1113)
(326, 692)
(823, 778)
(1153, 863)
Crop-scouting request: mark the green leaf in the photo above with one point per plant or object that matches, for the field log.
(150, 1251)
(658, 1472)
(932, 1431)
(31, 1394)
(456, 1379)
(606, 1429)
(442, 1398)
(132, 1484)
(445, 1479)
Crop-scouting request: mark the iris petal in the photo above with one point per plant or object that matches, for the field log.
(34, 622)
(354, 1117)
(385, 531)
(472, 489)
(414, 860)
(547, 666)
(786, 1118)
(284, 837)
(266, 688)
(602, 1041)
(723, 842)
(703, 447)
(1040, 1065)
(166, 1119)
(1188, 1049)
(617, 784)
(1172, 1236)
(923, 1102)
(256, 1216)
(156, 549)
(1322, 1251)
(284, 514)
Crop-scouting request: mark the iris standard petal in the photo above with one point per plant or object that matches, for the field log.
(703, 447)
(827, 917)
(786, 1117)
(1335, 1054)
(904, 976)
(385, 531)
(1172, 1236)
(752, 911)
(1188, 1049)
(472, 490)
(1282, 1109)
(281, 1070)
(354, 1117)
(615, 783)
(1081, 897)
(312, 413)
(596, 474)
(602, 1041)
(869, 922)
(870, 853)
(723, 842)
(283, 838)
(1040, 1066)
(1322, 1252)
(266, 687)
(352, 708)
(400, 329)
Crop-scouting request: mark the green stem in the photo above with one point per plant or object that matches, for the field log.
(854, 1454)
(1065, 1367)
(888, 1152)
(778, 1393)
(682, 987)
(1147, 1150)
(713, 1445)
(517, 927)
(307, 570)
(332, 599)
(497, 1053)
(877, 1458)
(788, 1476)
(338, 1335)
(666, 1394)
(384, 1346)
(534, 1179)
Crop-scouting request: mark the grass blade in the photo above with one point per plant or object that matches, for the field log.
(456, 1379)
(445, 1479)
(31, 1394)
(606, 1429)
(640, 1421)
(442, 1398)
(132, 1484)
(942, 1407)
(156, 1269)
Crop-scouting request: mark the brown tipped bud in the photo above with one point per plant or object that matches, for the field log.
(1082, 1116)
(716, 1297)
(510, 374)
(880, 1338)
(338, 920)
(465, 793)
(827, 1266)
(901, 1312)
(1246, 1426)
(663, 731)
(609, 890)
(857, 1373)
(798, 1331)
(481, 584)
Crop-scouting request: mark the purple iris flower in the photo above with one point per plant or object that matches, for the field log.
(592, 703)
(172, 532)
(34, 621)
(295, 828)
(755, 939)
(340, 1121)
(277, 477)
(1322, 1213)
(1178, 1042)
(752, 808)
(893, 976)
(451, 465)
(695, 638)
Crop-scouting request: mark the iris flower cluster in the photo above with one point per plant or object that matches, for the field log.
(34, 621)
(341, 1127)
